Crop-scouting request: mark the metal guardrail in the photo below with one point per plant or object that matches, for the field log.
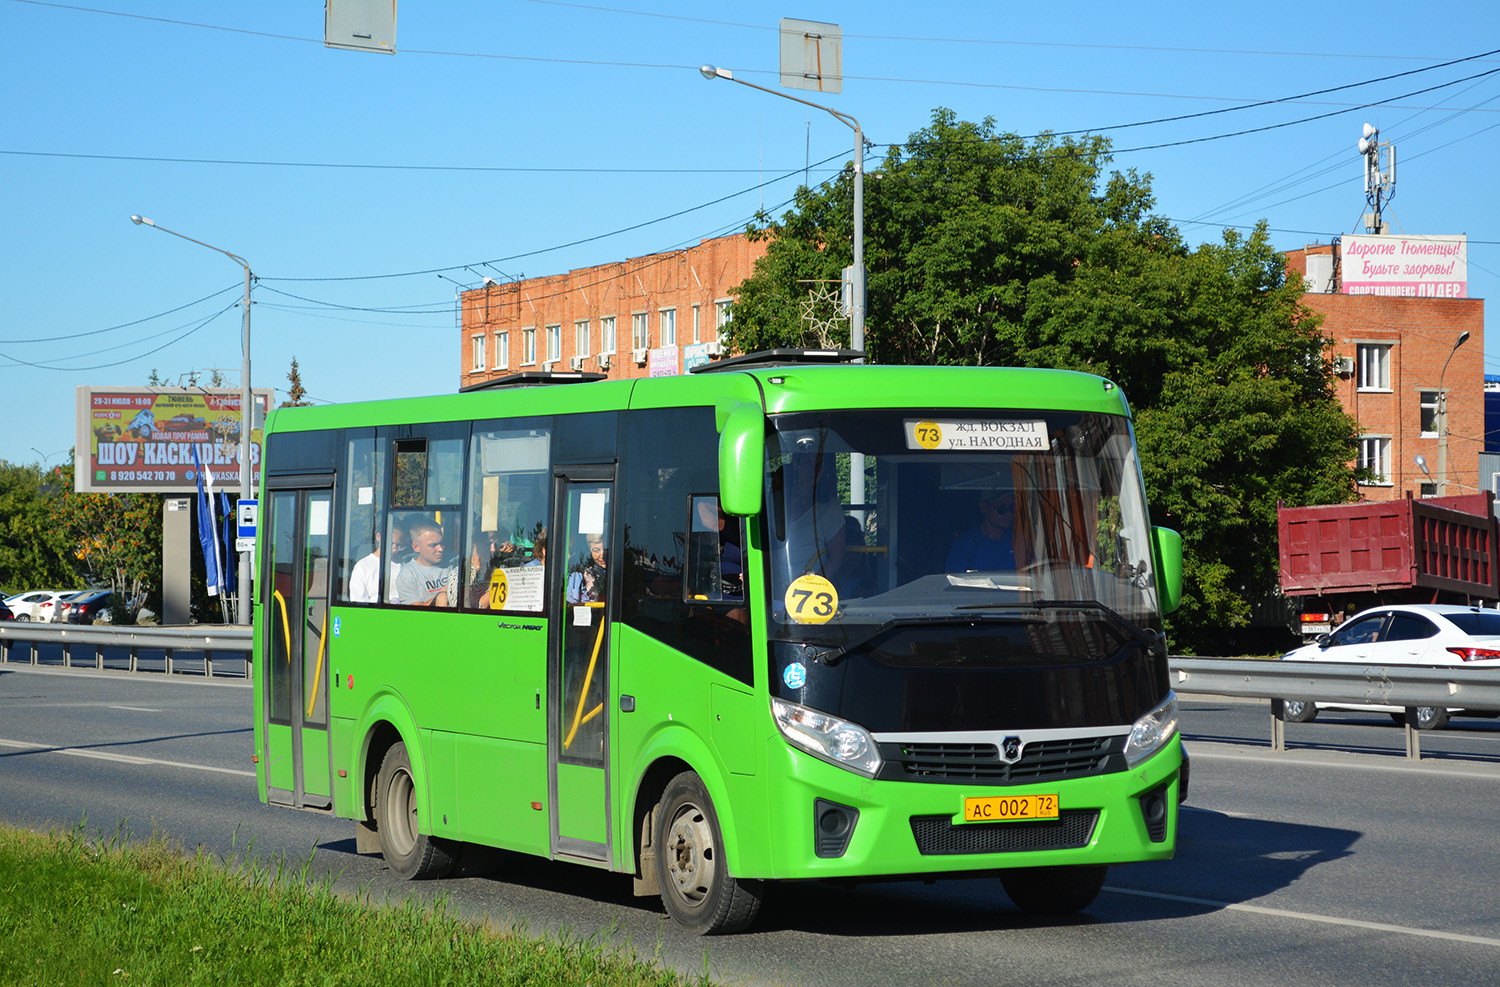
(1330, 682)
(77, 640)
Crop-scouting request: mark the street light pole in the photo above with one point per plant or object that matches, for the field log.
(1442, 422)
(247, 409)
(857, 287)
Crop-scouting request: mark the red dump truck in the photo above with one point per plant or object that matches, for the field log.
(1341, 558)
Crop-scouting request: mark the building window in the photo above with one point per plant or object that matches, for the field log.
(554, 343)
(1374, 366)
(528, 347)
(668, 325)
(1428, 490)
(639, 333)
(1375, 455)
(477, 344)
(607, 334)
(502, 350)
(1428, 402)
(581, 338)
(696, 337)
(722, 315)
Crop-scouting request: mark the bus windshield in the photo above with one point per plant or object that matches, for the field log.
(879, 519)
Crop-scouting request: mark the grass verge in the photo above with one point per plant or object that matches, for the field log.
(104, 911)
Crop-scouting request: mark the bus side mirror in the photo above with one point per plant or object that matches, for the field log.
(1166, 546)
(742, 456)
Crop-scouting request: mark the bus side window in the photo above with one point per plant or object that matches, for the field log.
(715, 553)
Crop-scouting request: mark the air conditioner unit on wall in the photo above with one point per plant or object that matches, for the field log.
(639, 356)
(576, 362)
(1343, 365)
(603, 360)
(714, 348)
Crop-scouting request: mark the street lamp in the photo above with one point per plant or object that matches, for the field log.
(247, 403)
(857, 281)
(857, 288)
(1442, 418)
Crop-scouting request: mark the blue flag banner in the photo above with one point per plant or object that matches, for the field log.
(228, 529)
(207, 529)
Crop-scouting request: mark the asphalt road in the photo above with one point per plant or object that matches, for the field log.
(1334, 863)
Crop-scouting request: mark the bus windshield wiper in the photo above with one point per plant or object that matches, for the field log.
(836, 654)
(1139, 634)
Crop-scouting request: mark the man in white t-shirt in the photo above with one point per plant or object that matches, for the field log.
(364, 581)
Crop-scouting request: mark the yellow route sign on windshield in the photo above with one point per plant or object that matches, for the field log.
(811, 600)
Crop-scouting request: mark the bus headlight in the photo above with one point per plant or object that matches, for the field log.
(1151, 732)
(834, 740)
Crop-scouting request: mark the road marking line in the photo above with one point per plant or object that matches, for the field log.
(122, 758)
(135, 709)
(1312, 917)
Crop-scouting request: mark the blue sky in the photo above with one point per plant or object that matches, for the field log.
(504, 133)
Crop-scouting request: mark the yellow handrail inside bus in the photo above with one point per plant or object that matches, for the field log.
(286, 628)
(318, 672)
(578, 717)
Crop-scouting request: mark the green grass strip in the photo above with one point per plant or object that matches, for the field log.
(76, 910)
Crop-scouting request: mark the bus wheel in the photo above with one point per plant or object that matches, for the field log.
(696, 886)
(1053, 890)
(412, 855)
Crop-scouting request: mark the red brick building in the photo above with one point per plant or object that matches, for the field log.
(653, 315)
(1390, 353)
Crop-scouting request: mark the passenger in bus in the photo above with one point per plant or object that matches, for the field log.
(989, 546)
(538, 550)
(364, 581)
(423, 581)
(586, 581)
(400, 552)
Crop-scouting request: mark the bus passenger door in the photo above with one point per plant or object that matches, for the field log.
(294, 611)
(578, 666)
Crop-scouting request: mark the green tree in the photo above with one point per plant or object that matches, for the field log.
(34, 552)
(116, 536)
(985, 248)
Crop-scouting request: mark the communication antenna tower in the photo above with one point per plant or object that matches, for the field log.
(1380, 185)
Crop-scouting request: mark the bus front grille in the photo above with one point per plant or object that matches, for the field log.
(1041, 761)
(938, 835)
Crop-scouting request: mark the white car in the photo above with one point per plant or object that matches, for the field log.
(1416, 634)
(37, 604)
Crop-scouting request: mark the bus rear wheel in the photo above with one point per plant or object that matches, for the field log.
(411, 854)
(696, 886)
(1053, 890)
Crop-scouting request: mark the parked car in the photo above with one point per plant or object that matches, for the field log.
(85, 607)
(5, 613)
(36, 604)
(58, 613)
(1414, 634)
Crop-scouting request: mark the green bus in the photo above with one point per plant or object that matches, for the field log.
(791, 617)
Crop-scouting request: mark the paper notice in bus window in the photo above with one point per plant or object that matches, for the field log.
(523, 587)
(591, 513)
(366, 495)
(317, 519)
(976, 435)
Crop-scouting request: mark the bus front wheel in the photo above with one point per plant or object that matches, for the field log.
(696, 886)
(1053, 890)
(411, 854)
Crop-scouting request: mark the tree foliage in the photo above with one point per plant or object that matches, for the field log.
(984, 248)
(34, 552)
(117, 537)
(296, 395)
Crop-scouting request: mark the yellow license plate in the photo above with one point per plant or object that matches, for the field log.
(1010, 808)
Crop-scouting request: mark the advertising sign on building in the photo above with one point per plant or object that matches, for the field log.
(662, 362)
(694, 355)
(141, 439)
(1407, 266)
